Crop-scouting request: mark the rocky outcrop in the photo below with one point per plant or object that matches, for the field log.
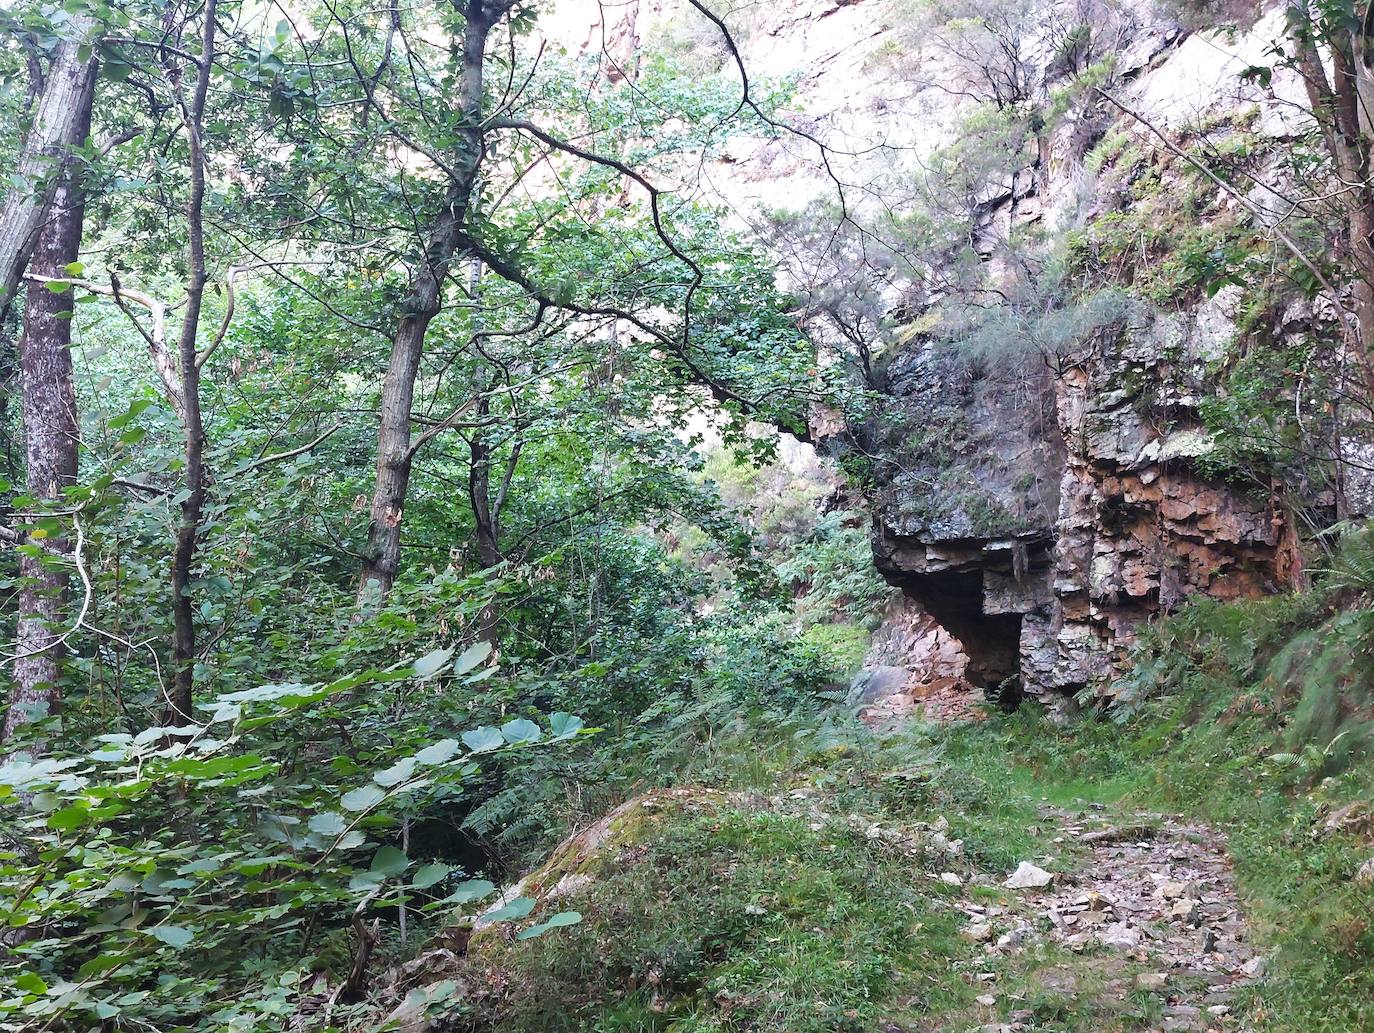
(1034, 509)
(1041, 516)
(1047, 584)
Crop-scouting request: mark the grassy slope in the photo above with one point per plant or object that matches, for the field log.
(788, 889)
(789, 898)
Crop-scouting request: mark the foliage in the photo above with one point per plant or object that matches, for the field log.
(224, 917)
(1306, 657)
(601, 327)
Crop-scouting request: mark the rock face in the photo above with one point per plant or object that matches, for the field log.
(1041, 511)
(914, 666)
(1036, 511)
(1075, 510)
(1139, 527)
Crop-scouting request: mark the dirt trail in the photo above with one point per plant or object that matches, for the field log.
(1152, 908)
(1151, 905)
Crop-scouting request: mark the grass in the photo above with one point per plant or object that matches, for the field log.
(782, 892)
(737, 911)
(1196, 756)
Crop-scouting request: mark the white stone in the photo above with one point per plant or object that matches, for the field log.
(1028, 877)
(1365, 875)
(1120, 936)
(978, 932)
(1254, 968)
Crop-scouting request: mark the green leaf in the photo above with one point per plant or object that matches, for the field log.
(329, 823)
(74, 268)
(439, 753)
(432, 663)
(468, 891)
(472, 656)
(172, 935)
(398, 772)
(521, 731)
(518, 908)
(562, 725)
(362, 882)
(363, 798)
(429, 875)
(69, 818)
(101, 963)
(558, 921)
(31, 982)
(480, 740)
(389, 861)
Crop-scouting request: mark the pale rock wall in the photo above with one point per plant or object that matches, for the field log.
(1074, 505)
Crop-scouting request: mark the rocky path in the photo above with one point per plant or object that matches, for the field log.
(1151, 907)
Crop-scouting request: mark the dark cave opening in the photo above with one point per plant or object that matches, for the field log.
(991, 640)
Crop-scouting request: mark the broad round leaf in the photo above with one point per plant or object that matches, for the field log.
(562, 725)
(389, 861)
(521, 731)
(398, 772)
(439, 753)
(563, 918)
(330, 823)
(432, 663)
(518, 908)
(429, 875)
(362, 798)
(480, 740)
(471, 657)
(172, 935)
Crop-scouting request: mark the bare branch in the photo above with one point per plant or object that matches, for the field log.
(290, 453)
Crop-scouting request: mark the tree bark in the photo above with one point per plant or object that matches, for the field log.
(61, 121)
(395, 455)
(181, 703)
(51, 433)
(1336, 106)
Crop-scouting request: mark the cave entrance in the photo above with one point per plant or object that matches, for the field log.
(991, 640)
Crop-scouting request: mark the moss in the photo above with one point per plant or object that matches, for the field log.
(844, 645)
(735, 913)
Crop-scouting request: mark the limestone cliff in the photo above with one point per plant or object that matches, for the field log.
(1038, 505)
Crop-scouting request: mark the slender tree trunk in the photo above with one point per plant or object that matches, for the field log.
(61, 121)
(382, 554)
(485, 517)
(487, 534)
(1336, 106)
(181, 703)
(50, 444)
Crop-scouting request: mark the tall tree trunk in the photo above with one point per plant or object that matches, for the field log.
(487, 534)
(181, 704)
(61, 121)
(395, 455)
(1318, 33)
(50, 443)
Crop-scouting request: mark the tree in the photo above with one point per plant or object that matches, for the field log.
(60, 123)
(51, 437)
(1340, 31)
(422, 302)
